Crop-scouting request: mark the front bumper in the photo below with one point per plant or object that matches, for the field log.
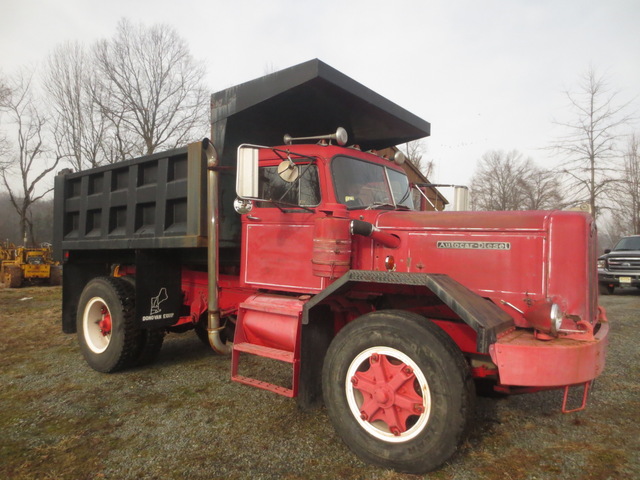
(619, 279)
(525, 361)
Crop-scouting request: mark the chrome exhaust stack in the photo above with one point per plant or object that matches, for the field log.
(213, 324)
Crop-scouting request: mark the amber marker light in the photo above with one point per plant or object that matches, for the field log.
(390, 263)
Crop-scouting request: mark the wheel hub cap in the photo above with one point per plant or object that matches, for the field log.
(386, 395)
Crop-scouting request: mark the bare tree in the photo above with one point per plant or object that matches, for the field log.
(589, 143)
(626, 210)
(80, 128)
(5, 92)
(28, 166)
(497, 181)
(508, 181)
(415, 154)
(154, 87)
(541, 189)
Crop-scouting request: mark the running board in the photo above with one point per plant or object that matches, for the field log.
(268, 326)
(266, 352)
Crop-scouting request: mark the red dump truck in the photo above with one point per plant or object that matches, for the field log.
(273, 240)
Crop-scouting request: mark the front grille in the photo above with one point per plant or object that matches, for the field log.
(624, 264)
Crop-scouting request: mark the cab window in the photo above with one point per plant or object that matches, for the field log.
(305, 191)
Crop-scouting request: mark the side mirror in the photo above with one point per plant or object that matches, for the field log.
(247, 173)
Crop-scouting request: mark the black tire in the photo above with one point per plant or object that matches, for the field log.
(13, 276)
(201, 330)
(438, 385)
(150, 345)
(108, 348)
(151, 340)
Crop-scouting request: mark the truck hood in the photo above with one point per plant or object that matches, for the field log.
(622, 253)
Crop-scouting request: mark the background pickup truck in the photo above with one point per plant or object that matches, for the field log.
(620, 267)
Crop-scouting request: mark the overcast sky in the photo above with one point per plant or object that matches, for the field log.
(486, 74)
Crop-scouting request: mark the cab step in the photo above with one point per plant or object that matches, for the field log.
(265, 352)
(268, 326)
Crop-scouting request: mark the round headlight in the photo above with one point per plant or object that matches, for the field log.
(556, 317)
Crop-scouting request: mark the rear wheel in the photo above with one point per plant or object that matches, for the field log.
(107, 333)
(398, 390)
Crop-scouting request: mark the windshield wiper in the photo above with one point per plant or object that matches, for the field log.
(380, 205)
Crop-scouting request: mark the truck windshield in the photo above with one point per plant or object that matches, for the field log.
(628, 243)
(361, 184)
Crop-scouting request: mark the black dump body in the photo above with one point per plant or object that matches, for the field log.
(157, 201)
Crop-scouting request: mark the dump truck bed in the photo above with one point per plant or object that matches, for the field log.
(155, 201)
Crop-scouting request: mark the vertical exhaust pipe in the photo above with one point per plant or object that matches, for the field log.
(213, 325)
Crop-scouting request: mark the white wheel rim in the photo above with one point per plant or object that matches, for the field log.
(355, 398)
(91, 318)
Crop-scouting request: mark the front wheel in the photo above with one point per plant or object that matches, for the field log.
(398, 390)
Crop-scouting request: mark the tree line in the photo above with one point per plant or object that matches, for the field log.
(598, 167)
(135, 93)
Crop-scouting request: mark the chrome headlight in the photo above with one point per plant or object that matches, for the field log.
(556, 317)
(545, 316)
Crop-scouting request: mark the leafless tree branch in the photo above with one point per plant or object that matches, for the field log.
(29, 162)
(155, 88)
(507, 181)
(588, 148)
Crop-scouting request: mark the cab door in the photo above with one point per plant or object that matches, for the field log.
(278, 233)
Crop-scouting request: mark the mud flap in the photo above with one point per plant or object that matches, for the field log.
(158, 288)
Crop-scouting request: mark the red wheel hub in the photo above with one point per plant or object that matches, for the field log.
(105, 323)
(389, 393)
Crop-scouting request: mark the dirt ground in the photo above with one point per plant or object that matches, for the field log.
(183, 418)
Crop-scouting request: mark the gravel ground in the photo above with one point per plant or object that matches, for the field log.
(183, 418)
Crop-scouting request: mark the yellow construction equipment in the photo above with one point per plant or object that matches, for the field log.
(22, 265)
